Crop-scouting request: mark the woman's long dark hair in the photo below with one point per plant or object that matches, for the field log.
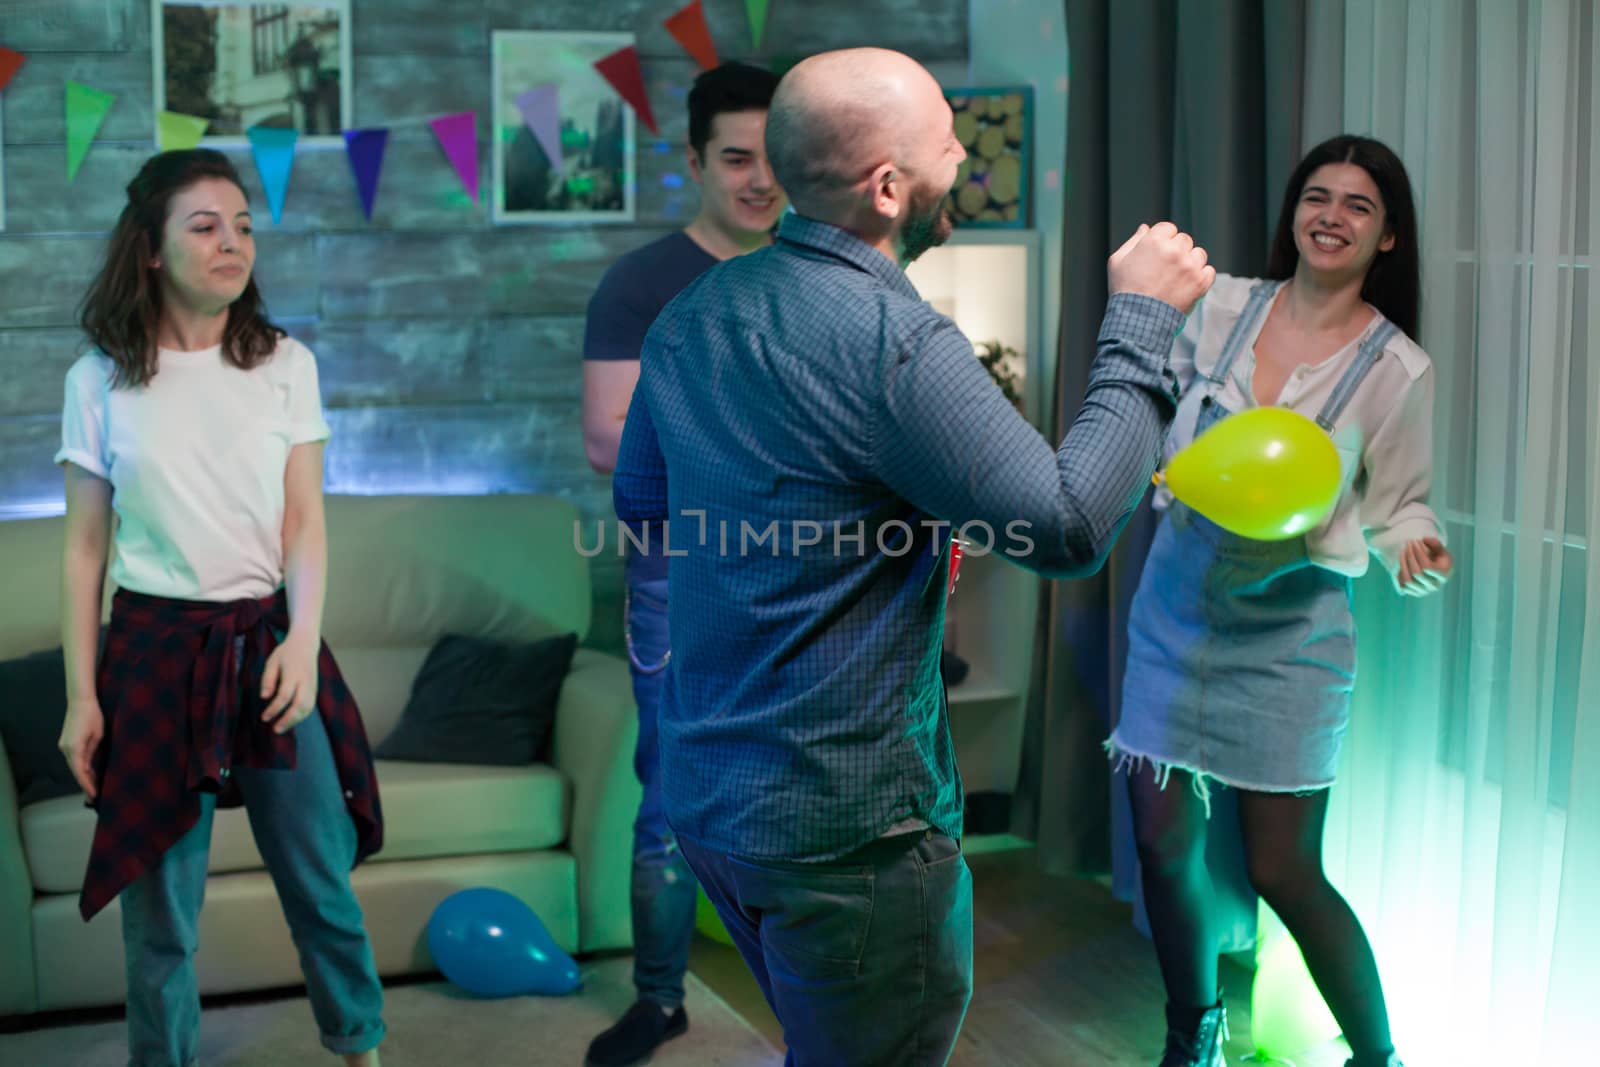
(1394, 281)
(121, 312)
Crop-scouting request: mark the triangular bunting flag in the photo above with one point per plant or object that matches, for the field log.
(175, 131)
(458, 136)
(273, 147)
(541, 110)
(10, 63)
(621, 69)
(688, 28)
(365, 149)
(86, 110)
(756, 12)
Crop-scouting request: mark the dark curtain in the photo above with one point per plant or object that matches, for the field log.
(1188, 111)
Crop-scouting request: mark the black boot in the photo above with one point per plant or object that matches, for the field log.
(1195, 1036)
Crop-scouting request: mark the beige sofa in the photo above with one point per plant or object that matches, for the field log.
(403, 572)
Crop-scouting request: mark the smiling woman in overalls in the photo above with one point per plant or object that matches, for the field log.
(1242, 654)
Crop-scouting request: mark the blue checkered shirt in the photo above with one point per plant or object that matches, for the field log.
(818, 420)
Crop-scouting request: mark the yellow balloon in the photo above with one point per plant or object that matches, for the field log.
(1287, 1014)
(708, 922)
(1266, 473)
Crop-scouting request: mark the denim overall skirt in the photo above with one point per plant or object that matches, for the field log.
(1241, 653)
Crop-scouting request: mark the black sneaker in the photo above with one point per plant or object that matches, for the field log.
(636, 1035)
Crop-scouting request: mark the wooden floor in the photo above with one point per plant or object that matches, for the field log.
(1061, 978)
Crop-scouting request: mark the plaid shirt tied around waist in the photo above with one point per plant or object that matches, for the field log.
(179, 684)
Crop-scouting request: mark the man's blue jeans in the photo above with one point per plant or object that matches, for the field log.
(305, 835)
(664, 888)
(866, 961)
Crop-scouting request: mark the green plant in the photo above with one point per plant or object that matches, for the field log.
(189, 43)
(1004, 366)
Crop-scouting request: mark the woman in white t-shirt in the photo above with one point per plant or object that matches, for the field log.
(197, 424)
(1241, 656)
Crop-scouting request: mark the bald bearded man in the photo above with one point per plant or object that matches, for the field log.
(819, 428)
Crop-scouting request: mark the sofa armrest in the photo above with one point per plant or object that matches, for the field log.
(19, 994)
(595, 730)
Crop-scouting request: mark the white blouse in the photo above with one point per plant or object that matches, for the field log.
(1384, 436)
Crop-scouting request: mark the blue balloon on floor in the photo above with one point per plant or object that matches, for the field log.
(491, 944)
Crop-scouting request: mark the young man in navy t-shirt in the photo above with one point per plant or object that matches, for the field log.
(739, 205)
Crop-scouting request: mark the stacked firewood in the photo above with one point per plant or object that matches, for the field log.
(989, 184)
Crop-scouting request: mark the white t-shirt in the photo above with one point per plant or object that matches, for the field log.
(1384, 436)
(196, 461)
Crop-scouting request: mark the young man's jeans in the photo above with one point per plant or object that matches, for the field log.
(664, 888)
(866, 961)
(305, 835)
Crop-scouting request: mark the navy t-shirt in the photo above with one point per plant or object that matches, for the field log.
(630, 296)
(634, 291)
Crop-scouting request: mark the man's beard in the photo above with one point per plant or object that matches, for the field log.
(929, 224)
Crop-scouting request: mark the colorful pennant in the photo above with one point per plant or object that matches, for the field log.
(458, 136)
(365, 149)
(10, 63)
(688, 27)
(756, 12)
(175, 131)
(273, 148)
(621, 69)
(541, 110)
(86, 110)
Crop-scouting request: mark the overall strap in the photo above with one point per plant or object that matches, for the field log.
(1261, 295)
(1367, 358)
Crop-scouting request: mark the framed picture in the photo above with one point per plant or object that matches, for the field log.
(995, 126)
(596, 180)
(240, 64)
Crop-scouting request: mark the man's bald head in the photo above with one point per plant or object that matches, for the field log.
(838, 115)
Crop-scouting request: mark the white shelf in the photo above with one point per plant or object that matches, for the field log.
(996, 236)
(989, 283)
(977, 689)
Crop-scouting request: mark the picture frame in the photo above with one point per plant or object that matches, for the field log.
(599, 179)
(993, 186)
(238, 64)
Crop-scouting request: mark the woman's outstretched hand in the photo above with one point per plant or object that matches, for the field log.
(1424, 566)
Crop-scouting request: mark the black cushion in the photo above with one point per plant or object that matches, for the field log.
(33, 703)
(477, 701)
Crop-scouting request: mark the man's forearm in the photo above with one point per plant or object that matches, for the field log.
(1107, 456)
(949, 442)
(600, 445)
